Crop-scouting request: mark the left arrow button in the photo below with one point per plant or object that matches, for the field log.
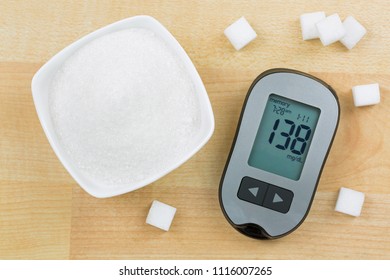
(252, 190)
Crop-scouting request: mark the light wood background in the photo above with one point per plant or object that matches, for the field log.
(44, 214)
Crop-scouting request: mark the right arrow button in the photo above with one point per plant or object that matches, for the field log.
(278, 199)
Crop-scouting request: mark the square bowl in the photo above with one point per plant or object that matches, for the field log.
(41, 84)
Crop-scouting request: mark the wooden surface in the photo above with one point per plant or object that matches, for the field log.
(44, 214)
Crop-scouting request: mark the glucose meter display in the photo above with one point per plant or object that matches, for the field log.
(284, 136)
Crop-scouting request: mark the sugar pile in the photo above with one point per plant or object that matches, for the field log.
(124, 109)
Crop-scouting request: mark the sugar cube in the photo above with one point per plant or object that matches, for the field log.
(350, 202)
(330, 29)
(240, 33)
(354, 32)
(308, 24)
(364, 95)
(161, 215)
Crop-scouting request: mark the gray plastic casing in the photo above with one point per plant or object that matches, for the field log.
(297, 86)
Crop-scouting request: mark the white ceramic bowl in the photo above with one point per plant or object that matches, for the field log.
(40, 91)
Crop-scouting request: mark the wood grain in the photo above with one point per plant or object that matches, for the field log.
(35, 192)
(358, 160)
(44, 214)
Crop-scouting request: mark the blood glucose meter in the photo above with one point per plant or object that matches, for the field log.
(287, 126)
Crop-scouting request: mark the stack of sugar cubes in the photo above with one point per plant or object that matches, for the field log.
(330, 29)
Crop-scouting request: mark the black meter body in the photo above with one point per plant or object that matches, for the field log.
(287, 126)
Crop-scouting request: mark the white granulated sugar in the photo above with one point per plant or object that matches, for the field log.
(124, 108)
